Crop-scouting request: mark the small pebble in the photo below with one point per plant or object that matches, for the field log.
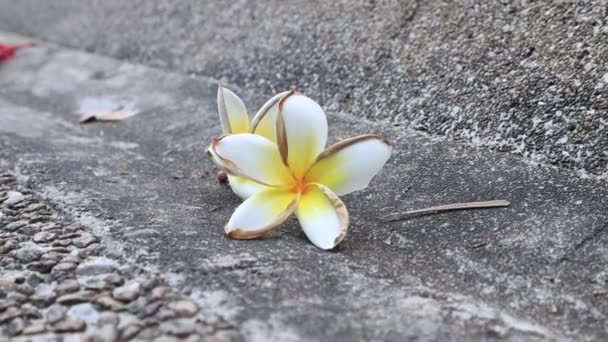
(26, 254)
(131, 331)
(16, 326)
(67, 286)
(55, 313)
(34, 329)
(183, 308)
(14, 197)
(128, 292)
(84, 240)
(44, 237)
(178, 327)
(69, 325)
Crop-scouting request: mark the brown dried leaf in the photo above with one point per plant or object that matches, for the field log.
(114, 115)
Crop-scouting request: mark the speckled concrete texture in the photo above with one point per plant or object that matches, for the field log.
(529, 77)
(532, 272)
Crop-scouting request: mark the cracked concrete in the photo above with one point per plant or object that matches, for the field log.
(511, 274)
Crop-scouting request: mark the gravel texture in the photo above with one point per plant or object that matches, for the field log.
(523, 76)
(65, 285)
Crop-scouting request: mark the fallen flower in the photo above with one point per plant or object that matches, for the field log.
(234, 119)
(8, 51)
(114, 115)
(297, 174)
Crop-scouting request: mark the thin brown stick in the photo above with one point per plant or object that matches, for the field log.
(453, 206)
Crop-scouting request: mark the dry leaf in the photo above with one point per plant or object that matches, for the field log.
(115, 115)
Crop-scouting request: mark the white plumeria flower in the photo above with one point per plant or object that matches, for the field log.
(234, 119)
(298, 174)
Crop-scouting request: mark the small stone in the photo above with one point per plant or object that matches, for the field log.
(179, 327)
(75, 298)
(158, 292)
(104, 333)
(6, 303)
(108, 318)
(45, 295)
(19, 279)
(114, 279)
(108, 302)
(128, 292)
(148, 284)
(69, 325)
(67, 286)
(34, 329)
(38, 219)
(55, 313)
(52, 255)
(6, 285)
(95, 284)
(35, 207)
(26, 254)
(17, 297)
(44, 237)
(42, 266)
(26, 289)
(131, 331)
(165, 314)
(64, 267)
(96, 266)
(62, 243)
(84, 240)
(167, 338)
(72, 258)
(150, 309)
(8, 246)
(85, 312)
(183, 308)
(13, 226)
(16, 326)
(148, 333)
(9, 314)
(34, 280)
(62, 250)
(13, 198)
(29, 311)
(137, 306)
(69, 235)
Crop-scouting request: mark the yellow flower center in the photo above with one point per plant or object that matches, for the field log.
(299, 185)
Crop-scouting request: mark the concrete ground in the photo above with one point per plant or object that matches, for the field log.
(524, 76)
(134, 245)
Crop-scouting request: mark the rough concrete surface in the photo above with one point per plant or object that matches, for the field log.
(524, 76)
(145, 193)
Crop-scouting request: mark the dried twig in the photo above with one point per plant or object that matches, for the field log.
(454, 206)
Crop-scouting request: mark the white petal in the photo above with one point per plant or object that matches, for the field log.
(250, 156)
(261, 213)
(243, 187)
(264, 122)
(233, 114)
(350, 164)
(323, 216)
(301, 132)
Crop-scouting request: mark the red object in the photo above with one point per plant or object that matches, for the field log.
(8, 51)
